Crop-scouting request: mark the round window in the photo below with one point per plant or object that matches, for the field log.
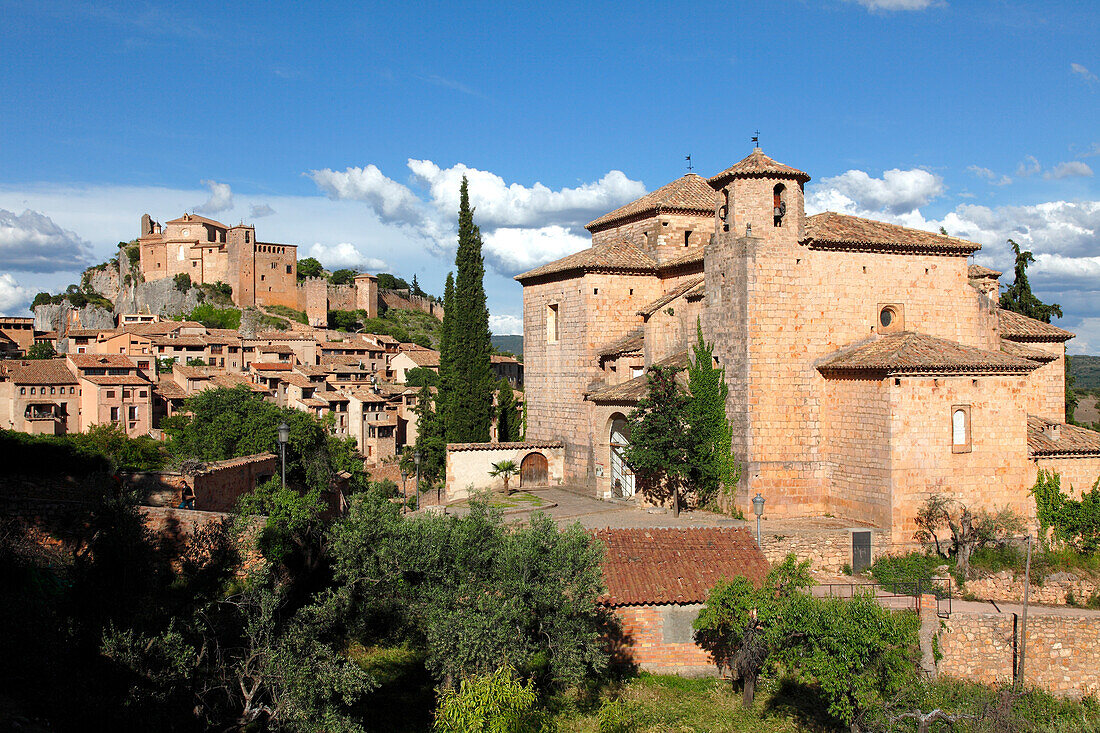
(886, 317)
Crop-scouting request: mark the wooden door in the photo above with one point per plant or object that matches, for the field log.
(533, 471)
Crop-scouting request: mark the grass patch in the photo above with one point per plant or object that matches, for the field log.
(516, 500)
(213, 317)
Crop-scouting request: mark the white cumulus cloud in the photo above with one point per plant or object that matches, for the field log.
(14, 298)
(31, 241)
(506, 324)
(994, 178)
(1029, 166)
(221, 198)
(522, 226)
(344, 255)
(1069, 169)
(897, 192)
(258, 211)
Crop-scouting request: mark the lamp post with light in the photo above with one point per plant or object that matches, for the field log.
(416, 459)
(284, 438)
(404, 490)
(758, 510)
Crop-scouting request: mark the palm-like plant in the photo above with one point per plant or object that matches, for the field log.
(506, 470)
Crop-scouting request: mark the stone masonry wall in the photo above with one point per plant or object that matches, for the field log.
(1054, 590)
(994, 473)
(1063, 651)
(856, 446)
(1047, 393)
(1077, 474)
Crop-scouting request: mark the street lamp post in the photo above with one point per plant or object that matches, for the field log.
(416, 458)
(758, 510)
(284, 438)
(404, 491)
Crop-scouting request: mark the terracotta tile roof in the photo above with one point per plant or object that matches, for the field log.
(697, 292)
(975, 272)
(424, 357)
(366, 395)
(757, 165)
(1021, 328)
(274, 366)
(501, 359)
(191, 372)
(610, 257)
(37, 371)
(276, 349)
(114, 361)
(299, 380)
(633, 390)
(631, 343)
(188, 218)
(1071, 439)
(675, 565)
(527, 445)
(1020, 351)
(87, 332)
(918, 353)
(339, 359)
(690, 193)
(694, 256)
(169, 389)
(110, 379)
(313, 402)
(236, 380)
(830, 230)
(671, 295)
(180, 342)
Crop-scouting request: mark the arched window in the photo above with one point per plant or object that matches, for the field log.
(960, 429)
(779, 204)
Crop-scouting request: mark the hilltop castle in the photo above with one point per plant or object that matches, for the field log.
(868, 364)
(260, 273)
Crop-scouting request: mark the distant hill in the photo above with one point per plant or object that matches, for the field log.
(1085, 371)
(511, 343)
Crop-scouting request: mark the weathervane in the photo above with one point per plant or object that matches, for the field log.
(756, 139)
(688, 159)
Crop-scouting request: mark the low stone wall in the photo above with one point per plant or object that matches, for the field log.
(829, 550)
(1063, 651)
(659, 639)
(468, 465)
(217, 487)
(1055, 590)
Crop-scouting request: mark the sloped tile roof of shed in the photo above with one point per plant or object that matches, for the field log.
(690, 192)
(671, 295)
(1019, 327)
(524, 445)
(830, 230)
(1072, 439)
(168, 389)
(899, 353)
(694, 256)
(757, 165)
(633, 390)
(675, 565)
(424, 357)
(628, 344)
(609, 257)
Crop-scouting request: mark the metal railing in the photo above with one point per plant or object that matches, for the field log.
(895, 594)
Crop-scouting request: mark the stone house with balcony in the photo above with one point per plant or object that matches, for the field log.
(373, 424)
(40, 397)
(113, 390)
(868, 364)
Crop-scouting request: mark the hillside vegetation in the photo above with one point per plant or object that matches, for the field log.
(1086, 371)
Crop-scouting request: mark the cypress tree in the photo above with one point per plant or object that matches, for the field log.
(446, 358)
(507, 419)
(710, 451)
(469, 409)
(429, 439)
(1018, 298)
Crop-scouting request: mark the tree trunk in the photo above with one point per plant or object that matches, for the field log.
(676, 499)
(748, 692)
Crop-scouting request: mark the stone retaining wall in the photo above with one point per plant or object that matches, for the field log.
(1055, 590)
(1063, 651)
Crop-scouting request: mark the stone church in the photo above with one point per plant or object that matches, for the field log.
(868, 364)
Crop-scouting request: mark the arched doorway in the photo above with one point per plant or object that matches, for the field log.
(622, 478)
(533, 471)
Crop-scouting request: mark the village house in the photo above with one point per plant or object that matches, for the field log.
(16, 336)
(868, 364)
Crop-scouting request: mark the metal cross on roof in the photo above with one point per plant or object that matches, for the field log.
(688, 159)
(756, 139)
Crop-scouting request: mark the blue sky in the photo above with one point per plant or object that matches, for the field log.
(344, 128)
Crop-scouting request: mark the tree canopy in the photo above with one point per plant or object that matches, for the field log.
(659, 449)
(1018, 298)
(343, 276)
(310, 267)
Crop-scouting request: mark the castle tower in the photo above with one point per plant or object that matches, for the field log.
(241, 248)
(757, 282)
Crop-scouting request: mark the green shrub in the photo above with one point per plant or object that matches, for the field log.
(898, 573)
(493, 703)
(213, 317)
(620, 716)
(1076, 522)
(182, 282)
(288, 312)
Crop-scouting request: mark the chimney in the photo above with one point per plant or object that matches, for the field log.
(1051, 431)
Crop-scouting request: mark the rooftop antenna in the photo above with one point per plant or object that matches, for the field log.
(688, 159)
(756, 139)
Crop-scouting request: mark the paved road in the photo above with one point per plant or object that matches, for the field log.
(575, 506)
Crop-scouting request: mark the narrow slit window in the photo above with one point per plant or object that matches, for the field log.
(779, 204)
(552, 323)
(960, 429)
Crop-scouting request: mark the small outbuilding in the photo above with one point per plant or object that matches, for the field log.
(657, 580)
